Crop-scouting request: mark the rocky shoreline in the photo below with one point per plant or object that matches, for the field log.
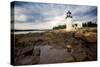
(74, 46)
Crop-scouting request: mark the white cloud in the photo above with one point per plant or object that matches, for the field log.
(59, 20)
(19, 14)
(20, 17)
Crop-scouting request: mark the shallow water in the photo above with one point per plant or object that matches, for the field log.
(25, 32)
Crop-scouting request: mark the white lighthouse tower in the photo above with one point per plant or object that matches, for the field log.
(69, 24)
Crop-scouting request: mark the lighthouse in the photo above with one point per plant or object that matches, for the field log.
(72, 25)
(69, 24)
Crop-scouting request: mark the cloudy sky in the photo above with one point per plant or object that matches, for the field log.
(29, 15)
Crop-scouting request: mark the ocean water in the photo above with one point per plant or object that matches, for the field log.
(26, 32)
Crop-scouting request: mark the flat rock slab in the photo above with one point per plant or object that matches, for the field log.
(53, 55)
(28, 60)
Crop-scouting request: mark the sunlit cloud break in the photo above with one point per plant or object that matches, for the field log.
(29, 15)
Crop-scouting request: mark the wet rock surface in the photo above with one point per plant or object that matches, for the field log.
(55, 47)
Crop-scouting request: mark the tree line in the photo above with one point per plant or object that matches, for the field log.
(86, 24)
